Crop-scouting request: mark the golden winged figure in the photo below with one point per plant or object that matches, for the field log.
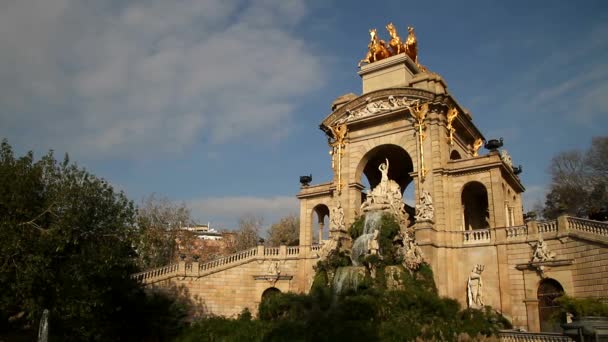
(420, 112)
(339, 132)
(476, 146)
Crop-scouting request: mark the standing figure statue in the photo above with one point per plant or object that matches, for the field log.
(474, 288)
(384, 179)
(336, 219)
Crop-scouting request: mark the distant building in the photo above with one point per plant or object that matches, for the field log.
(204, 232)
(204, 242)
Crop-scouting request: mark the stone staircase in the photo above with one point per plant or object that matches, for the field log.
(196, 269)
(565, 225)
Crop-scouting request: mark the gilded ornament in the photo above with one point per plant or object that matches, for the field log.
(411, 47)
(337, 151)
(476, 146)
(419, 113)
(395, 43)
(376, 49)
(452, 114)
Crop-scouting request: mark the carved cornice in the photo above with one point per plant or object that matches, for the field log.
(380, 102)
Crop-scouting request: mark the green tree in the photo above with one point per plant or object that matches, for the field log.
(286, 231)
(579, 182)
(66, 245)
(159, 221)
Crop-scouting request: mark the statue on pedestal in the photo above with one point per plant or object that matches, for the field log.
(541, 252)
(474, 288)
(386, 196)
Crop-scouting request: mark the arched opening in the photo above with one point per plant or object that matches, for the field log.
(548, 291)
(400, 167)
(455, 155)
(475, 211)
(320, 223)
(269, 292)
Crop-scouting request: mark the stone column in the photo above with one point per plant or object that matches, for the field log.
(321, 226)
(532, 313)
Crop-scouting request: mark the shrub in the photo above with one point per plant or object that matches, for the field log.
(583, 306)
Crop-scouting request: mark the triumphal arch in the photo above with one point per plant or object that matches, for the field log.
(405, 131)
(467, 217)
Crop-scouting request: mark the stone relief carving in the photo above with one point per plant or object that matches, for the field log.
(425, 210)
(376, 107)
(409, 250)
(541, 252)
(386, 196)
(506, 158)
(373, 244)
(475, 288)
(336, 219)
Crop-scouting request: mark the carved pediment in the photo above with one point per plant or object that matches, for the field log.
(381, 102)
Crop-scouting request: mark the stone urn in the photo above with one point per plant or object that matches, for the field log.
(494, 144)
(587, 328)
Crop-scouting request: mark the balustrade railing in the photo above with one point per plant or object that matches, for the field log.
(155, 272)
(588, 226)
(272, 251)
(517, 336)
(547, 226)
(517, 231)
(315, 247)
(294, 250)
(246, 254)
(476, 236)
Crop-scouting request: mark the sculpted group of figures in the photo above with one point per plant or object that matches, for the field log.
(377, 48)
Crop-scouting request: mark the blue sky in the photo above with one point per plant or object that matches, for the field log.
(217, 103)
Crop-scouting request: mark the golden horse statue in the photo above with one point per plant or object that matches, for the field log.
(411, 45)
(376, 49)
(395, 43)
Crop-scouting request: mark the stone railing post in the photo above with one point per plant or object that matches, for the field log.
(282, 251)
(195, 268)
(562, 223)
(532, 227)
(260, 251)
(181, 266)
(305, 251)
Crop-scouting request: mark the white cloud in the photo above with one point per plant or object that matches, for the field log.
(227, 210)
(149, 76)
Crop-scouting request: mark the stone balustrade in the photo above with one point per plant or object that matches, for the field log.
(547, 226)
(476, 236)
(563, 225)
(520, 336)
(157, 272)
(293, 250)
(588, 226)
(230, 259)
(272, 251)
(195, 269)
(516, 231)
